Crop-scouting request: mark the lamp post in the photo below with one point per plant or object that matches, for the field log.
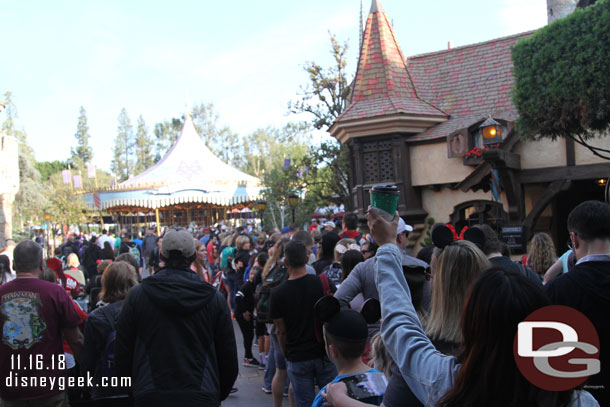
(47, 217)
(261, 206)
(293, 201)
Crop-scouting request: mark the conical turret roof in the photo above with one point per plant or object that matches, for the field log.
(383, 84)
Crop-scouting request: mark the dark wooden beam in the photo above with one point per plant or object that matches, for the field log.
(412, 211)
(551, 191)
(514, 194)
(476, 176)
(503, 159)
(550, 174)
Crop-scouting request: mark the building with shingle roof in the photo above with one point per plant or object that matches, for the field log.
(416, 123)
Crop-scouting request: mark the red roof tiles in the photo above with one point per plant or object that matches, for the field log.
(467, 83)
(383, 85)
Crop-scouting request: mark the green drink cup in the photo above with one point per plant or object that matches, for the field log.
(384, 200)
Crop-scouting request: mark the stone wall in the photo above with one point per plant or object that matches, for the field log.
(9, 184)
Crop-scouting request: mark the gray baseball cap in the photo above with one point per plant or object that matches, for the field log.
(179, 240)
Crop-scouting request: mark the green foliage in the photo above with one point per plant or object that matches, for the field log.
(325, 96)
(264, 156)
(83, 151)
(329, 176)
(562, 85)
(428, 239)
(123, 163)
(48, 168)
(66, 207)
(143, 147)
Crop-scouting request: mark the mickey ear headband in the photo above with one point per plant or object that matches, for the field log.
(328, 306)
(444, 235)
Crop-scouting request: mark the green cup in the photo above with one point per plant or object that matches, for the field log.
(384, 199)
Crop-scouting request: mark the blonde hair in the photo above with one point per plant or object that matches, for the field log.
(380, 359)
(241, 241)
(226, 241)
(117, 280)
(345, 243)
(541, 253)
(72, 260)
(276, 256)
(454, 271)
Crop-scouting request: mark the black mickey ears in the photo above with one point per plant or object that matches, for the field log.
(328, 306)
(371, 310)
(444, 235)
(476, 236)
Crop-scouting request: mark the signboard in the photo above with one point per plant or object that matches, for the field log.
(514, 237)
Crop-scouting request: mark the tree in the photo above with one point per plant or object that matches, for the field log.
(48, 168)
(143, 147)
(325, 98)
(83, 151)
(122, 164)
(275, 156)
(561, 79)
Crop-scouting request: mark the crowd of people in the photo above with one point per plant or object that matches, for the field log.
(159, 310)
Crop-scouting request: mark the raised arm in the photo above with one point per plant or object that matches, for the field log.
(428, 373)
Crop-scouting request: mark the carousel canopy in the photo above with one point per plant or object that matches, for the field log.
(188, 173)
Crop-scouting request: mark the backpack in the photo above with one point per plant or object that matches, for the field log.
(107, 358)
(317, 324)
(135, 252)
(278, 275)
(226, 257)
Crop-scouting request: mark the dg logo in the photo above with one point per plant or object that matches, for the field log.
(557, 348)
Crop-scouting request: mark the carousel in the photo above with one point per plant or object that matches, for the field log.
(188, 185)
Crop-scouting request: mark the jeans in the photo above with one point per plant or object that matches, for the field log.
(304, 375)
(213, 269)
(231, 280)
(271, 366)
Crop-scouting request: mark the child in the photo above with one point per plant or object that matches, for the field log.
(345, 336)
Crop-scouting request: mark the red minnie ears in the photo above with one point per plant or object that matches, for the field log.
(444, 235)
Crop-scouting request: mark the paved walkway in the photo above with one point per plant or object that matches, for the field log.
(249, 381)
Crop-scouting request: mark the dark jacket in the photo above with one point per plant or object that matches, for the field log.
(175, 339)
(98, 327)
(587, 288)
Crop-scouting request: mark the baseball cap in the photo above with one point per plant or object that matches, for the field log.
(403, 227)
(329, 224)
(179, 240)
(286, 229)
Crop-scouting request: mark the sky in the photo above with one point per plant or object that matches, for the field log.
(156, 58)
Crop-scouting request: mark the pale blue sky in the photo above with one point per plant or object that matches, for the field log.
(245, 57)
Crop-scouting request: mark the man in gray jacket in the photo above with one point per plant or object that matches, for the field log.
(362, 278)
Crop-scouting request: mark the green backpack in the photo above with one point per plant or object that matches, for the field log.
(276, 276)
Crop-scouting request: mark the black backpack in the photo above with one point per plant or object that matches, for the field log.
(276, 276)
(107, 358)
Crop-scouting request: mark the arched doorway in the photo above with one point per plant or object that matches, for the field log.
(478, 212)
